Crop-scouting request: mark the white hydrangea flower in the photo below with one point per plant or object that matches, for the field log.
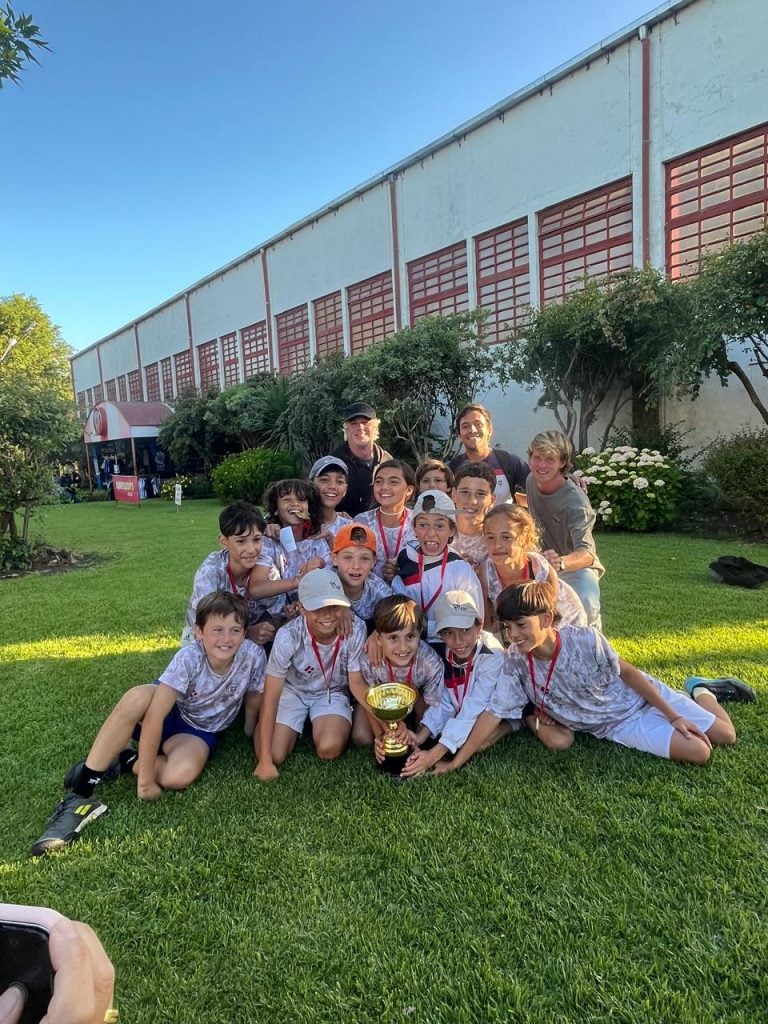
(604, 504)
(658, 483)
(640, 483)
(611, 472)
(588, 451)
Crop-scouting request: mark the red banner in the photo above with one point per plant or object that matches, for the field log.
(126, 488)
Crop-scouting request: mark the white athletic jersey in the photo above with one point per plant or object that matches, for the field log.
(374, 590)
(585, 693)
(293, 659)
(425, 673)
(388, 547)
(461, 701)
(425, 588)
(207, 700)
(212, 575)
(334, 527)
(569, 606)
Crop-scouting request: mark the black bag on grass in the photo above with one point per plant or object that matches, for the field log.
(738, 572)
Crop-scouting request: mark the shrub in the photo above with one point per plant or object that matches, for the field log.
(247, 474)
(199, 486)
(738, 468)
(15, 553)
(631, 488)
(168, 487)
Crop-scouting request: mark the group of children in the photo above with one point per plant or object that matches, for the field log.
(491, 614)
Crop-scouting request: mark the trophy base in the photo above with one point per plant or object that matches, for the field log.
(392, 765)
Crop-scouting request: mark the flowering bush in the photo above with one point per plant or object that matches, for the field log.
(631, 488)
(168, 489)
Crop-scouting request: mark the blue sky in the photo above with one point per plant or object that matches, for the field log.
(160, 140)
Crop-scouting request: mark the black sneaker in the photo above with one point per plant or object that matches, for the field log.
(67, 822)
(114, 771)
(725, 688)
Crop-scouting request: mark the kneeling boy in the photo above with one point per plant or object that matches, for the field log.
(179, 718)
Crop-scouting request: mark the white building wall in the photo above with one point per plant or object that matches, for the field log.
(118, 355)
(230, 301)
(164, 333)
(86, 370)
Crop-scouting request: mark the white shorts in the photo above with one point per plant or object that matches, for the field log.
(650, 731)
(294, 708)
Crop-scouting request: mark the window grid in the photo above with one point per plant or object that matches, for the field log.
(503, 278)
(111, 390)
(208, 361)
(293, 339)
(438, 283)
(230, 356)
(715, 196)
(152, 379)
(256, 358)
(98, 394)
(122, 390)
(185, 377)
(166, 373)
(590, 235)
(371, 309)
(134, 386)
(89, 397)
(329, 328)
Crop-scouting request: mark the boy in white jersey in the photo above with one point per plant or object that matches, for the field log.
(310, 671)
(178, 719)
(570, 680)
(354, 555)
(405, 658)
(330, 477)
(473, 494)
(429, 566)
(473, 662)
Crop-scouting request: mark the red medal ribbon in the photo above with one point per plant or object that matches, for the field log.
(425, 607)
(403, 520)
(550, 670)
(232, 582)
(408, 678)
(459, 680)
(327, 678)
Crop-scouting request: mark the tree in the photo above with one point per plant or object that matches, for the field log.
(193, 442)
(426, 373)
(18, 36)
(37, 414)
(247, 414)
(731, 306)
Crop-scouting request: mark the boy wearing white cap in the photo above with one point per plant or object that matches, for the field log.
(330, 476)
(429, 567)
(473, 661)
(308, 675)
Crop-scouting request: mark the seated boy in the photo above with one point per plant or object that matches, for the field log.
(429, 566)
(354, 556)
(178, 719)
(405, 658)
(310, 670)
(473, 494)
(565, 519)
(234, 568)
(473, 662)
(571, 680)
(330, 476)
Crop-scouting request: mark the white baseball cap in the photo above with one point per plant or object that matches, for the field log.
(325, 463)
(455, 609)
(321, 588)
(435, 503)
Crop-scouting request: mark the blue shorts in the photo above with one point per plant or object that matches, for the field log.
(174, 725)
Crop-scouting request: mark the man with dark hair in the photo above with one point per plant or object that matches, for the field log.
(362, 455)
(475, 428)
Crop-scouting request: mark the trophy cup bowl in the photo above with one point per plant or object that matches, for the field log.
(391, 703)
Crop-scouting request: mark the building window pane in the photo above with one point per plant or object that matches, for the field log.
(152, 378)
(256, 358)
(503, 278)
(438, 283)
(293, 340)
(329, 330)
(371, 309)
(230, 355)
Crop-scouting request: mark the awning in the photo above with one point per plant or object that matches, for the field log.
(116, 421)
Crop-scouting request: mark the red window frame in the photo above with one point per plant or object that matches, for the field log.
(329, 326)
(111, 387)
(134, 386)
(166, 374)
(185, 376)
(89, 397)
(152, 380)
(438, 284)
(589, 235)
(122, 388)
(230, 358)
(255, 345)
(715, 196)
(502, 272)
(208, 364)
(98, 394)
(371, 310)
(293, 339)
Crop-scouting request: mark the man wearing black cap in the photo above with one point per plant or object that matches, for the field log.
(362, 455)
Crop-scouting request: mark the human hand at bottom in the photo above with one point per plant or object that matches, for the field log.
(83, 982)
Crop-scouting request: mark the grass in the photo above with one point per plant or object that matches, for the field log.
(597, 885)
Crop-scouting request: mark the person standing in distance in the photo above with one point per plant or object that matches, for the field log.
(475, 429)
(362, 455)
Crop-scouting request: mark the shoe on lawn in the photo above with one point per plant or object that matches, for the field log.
(724, 688)
(114, 771)
(67, 822)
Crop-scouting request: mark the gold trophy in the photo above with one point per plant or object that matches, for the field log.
(391, 703)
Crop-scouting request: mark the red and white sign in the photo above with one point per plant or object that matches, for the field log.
(126, 488)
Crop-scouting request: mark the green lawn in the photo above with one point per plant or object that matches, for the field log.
(595, 885)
